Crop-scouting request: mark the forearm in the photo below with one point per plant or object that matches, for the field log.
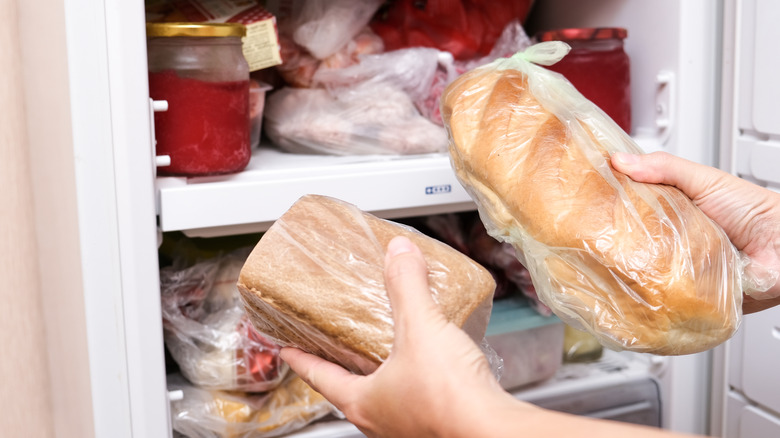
(511, 418)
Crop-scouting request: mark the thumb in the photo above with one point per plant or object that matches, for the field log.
(692, 178)
(406, 281)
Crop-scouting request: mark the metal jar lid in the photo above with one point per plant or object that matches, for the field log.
(195, 30)
(585, 33)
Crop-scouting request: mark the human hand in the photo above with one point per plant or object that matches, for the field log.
(435, 382)
(748, 213)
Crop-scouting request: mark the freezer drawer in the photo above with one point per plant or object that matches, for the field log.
(755, 423)
(632, 401)
(761, 354)
(748, 421)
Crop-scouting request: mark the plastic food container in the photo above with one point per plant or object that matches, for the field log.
(257, 91)
(580, 346)
(598, 67)
(530, 344)
(199, 68)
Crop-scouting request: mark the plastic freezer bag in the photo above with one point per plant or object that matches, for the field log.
(202, 413)
(638, 265)
(315, 281)
(364, 109)
(208, 333)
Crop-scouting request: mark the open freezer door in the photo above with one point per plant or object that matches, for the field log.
(745, 384)
(751, 91)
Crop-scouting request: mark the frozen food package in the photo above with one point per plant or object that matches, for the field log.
(300, 66)
(369, 107)
(207, 331)
(315, 281)
(323, 27)
(370, 119)
(202, 413)
(637, 265)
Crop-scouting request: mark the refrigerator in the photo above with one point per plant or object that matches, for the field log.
(702, 74)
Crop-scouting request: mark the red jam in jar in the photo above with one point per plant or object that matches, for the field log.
(200, 70)
(598, 67)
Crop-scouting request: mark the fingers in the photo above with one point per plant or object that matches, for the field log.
(662, 168)
(325, 377)
(406, 280)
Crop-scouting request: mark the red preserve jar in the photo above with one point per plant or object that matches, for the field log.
(200, 69)
(598, 67)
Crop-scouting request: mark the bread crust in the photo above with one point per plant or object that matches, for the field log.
(638, 265)
(316, 281)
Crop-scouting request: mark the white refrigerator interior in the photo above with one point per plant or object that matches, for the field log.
(675, 50)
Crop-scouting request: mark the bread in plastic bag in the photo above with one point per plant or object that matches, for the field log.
(207, 331)
(513, 39)
(466, 233)
(316, 281)
(202, 413)
(638, 265)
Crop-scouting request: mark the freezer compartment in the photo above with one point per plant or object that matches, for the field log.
(637, 401)
(673, 104)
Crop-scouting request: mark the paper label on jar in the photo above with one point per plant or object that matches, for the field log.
(261, 45)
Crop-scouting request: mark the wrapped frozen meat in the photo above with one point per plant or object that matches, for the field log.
(323, 27)
(208, 333)
(316, 281)
(368, 119)
(299, 66)
(638, 265)
(202, 413)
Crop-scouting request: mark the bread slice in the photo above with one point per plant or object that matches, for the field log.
(638, 265)
(315, 281)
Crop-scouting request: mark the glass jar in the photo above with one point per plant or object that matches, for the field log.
(598, 67)
(199, 68)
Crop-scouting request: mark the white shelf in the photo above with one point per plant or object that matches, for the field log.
(249, 201)
(389, 186)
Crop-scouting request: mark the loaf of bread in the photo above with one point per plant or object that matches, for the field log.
(315, 281)
(638, 265)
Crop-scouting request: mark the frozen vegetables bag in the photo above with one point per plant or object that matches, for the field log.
(638, 265)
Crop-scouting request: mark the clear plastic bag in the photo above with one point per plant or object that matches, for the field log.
(512, 40)
(466, 233)
(638, 265)
(300, 66)
(363, 115)
(323, 27)
(207, 332)
(202, 413)
(315, 281)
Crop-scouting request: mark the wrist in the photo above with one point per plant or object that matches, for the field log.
(495, 414)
